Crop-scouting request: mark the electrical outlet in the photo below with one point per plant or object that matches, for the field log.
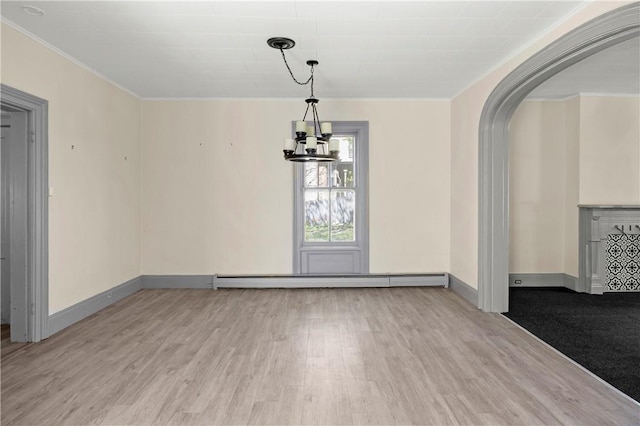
(517, 282)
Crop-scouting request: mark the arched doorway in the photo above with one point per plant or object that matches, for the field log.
(493, 197)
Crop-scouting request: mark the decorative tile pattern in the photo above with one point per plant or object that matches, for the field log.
(622, 263)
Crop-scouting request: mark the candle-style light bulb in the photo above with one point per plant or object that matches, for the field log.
(312, 142)
(289, 145)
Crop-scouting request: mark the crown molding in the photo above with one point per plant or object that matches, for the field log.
(581, 95)
(609, 95)
(240, 99)
(67, 56)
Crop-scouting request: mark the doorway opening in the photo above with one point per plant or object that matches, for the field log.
(493, 216)
(13, 262)
(25, 185)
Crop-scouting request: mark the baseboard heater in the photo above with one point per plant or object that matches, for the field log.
(331, 281)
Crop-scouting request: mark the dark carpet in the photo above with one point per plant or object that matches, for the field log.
(601, 333)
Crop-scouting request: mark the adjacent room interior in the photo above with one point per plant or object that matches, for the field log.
(564, 139)
(175, 251)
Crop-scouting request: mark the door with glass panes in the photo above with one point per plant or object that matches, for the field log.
(331, 219)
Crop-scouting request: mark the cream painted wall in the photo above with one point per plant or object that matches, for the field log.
(94, 213)
(217, 194)
(563, 153)
(466, 108)
(537, 187)
(609, 150)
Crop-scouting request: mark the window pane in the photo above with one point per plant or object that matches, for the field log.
(347, 145)
(316, 215)
(343, 208)
(316, 174)
(342, 175)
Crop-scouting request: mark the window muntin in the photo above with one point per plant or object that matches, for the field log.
(329, 194)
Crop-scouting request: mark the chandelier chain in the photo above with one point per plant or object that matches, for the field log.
(310, 79)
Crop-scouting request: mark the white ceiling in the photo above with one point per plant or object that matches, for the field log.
(366, 49)
(615, 70)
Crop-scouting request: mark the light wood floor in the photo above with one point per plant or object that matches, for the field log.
(6, 345)
(317, 356)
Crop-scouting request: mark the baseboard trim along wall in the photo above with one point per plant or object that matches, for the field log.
(571, 282)
(66, 317)
(330, 281)
(544, 280)
(464, 290)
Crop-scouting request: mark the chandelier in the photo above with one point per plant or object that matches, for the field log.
(312, 142)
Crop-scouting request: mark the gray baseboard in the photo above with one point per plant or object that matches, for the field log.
(543, 280)
(177, 281)
(66, 317)
(463, 289)
(328, 281)
(571, 282)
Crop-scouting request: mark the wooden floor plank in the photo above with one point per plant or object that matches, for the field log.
(290, 357)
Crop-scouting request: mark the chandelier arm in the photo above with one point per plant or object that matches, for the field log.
(310, 79)
(316, 120)
(305, 113)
